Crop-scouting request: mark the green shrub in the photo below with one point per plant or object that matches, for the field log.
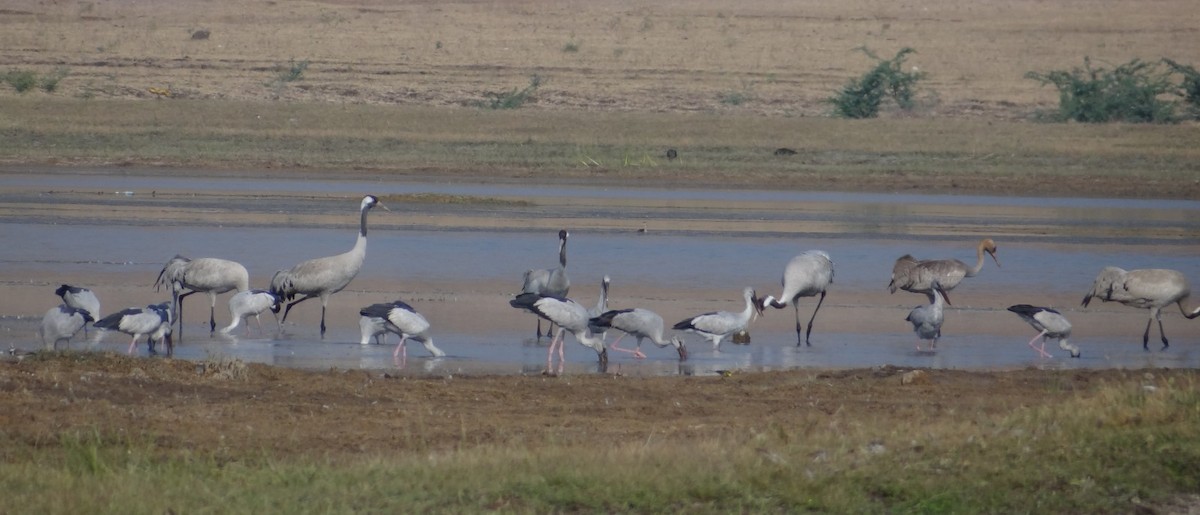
(1189, 87)
(49, 83)
(512, 99)
(21, 80)
(1131, 92)
(294, 71)
(862, 97)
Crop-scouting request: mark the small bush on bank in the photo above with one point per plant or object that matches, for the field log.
(862, 97)
(512, 99)
(1137, 91)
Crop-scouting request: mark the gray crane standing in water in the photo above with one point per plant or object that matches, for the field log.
(1050, 324)
(549, 281)
(600, 307)
(154, 321)
(243, 304)
(806, 275)
(911, 274)
(396, 317)
(213, 276)
(1151, 289)
(641, 324)
(719, 324)
(927, 319)
(322, 277)
(569, 316)
(79, 298)
(61, 323)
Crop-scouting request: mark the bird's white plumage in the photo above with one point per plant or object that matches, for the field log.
(152, 321)
(61, 323)
(1050, 324)
(80, 298)
(569, 315)
(251, 303)
(396, 317)
(718, 325)
(641, 324)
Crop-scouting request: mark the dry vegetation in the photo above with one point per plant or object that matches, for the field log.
(391, 88)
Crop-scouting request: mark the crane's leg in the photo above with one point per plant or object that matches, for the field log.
(1163, 334)
(799, 328)
(322, 320)
(401, 348)
(132, 345)
(1146, 335)
(292, 304)
(179, 311)
(808, 334)
(212, 313)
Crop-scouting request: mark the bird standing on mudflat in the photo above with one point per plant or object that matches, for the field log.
(806, 275)
(61, 323)
(641, 324)
(213, 276)
(911, 274)
(1151, 289)
(719, 324)
(1050, 324)
(396, 317)
(322, 277)
(927, 319)
(549, 281)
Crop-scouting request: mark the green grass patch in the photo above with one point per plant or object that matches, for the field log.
(1119, 449)
(526, 143)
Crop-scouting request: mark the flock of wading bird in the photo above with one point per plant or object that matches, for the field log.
(544, 293)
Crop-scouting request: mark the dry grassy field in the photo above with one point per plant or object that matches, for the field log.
(783, 57)
(393, 89)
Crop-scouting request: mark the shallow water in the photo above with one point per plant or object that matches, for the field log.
(1049, 248)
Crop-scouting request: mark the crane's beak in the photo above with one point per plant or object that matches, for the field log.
(385, 208)
(682, 351)
(994, 258)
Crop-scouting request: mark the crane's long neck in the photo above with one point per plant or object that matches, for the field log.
(938, 300)
(972, 272)
(562, 254)
(602, 302)
(1189, 314)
